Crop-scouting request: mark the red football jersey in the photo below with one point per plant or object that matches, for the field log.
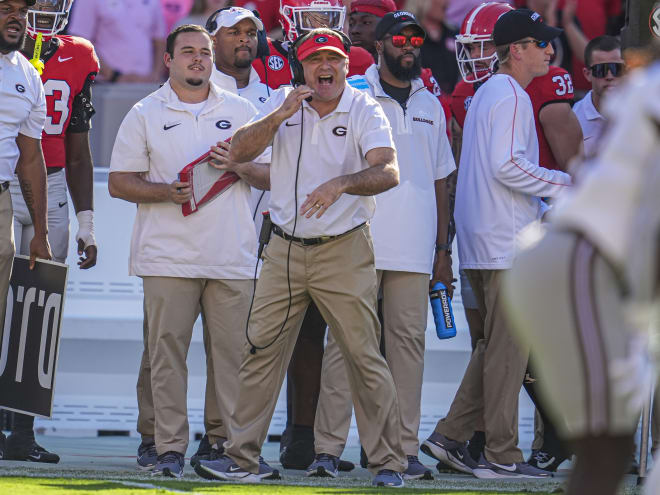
(64, 76)
(279, 73)
(433, 86)
(555, 86)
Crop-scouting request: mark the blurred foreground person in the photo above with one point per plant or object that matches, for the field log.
(584, 304)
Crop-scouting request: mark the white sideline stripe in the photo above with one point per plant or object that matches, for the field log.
(135, 484)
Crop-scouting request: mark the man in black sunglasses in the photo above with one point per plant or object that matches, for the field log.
(604, 68)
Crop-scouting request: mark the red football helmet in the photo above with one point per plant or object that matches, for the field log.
(477, 28)
(299, 16)
(48, 17)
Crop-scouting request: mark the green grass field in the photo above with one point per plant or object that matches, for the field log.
(62, 486)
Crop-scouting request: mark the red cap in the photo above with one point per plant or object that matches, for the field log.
(319, 42)
(376, 7)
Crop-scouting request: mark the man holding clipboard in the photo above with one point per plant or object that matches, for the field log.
(201, 261)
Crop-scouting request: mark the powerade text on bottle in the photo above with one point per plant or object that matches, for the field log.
(443, 315)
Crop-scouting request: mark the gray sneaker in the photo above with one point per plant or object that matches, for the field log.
(324, 466)
(450, 452)
(266, 472)
(170, 464)
(387, 477)
(520, 470)
(416, 470)
(485, 469)
(147, 457)
(222, 467)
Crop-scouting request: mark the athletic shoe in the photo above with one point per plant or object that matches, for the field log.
(493, 470)
(23, 447)
(266, 472)
(485, 469)
(416, 470)
(170, 464)
(298, 451)
(387, 477)
(324, 466)
(147, 457)
(223, 467)
(545, 460)
(446, 468)
(204, 451)
(450, 452)
(345, 466)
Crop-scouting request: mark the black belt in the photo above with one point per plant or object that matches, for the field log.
(53, 170)
(4, 186)
(311, 241)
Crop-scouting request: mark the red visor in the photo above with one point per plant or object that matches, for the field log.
(321, 42)
(376, 7)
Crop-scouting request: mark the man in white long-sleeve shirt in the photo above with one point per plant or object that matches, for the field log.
(500, 184)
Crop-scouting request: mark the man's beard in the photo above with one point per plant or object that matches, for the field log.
(242, 63)
(400, 72)
(194, 82)
(7, 47)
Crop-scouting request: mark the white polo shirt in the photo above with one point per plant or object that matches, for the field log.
(592, 123)
(158, 137)
(332, 146)
(499, 180)
(256, 93)
(22, 108)
(405, 223)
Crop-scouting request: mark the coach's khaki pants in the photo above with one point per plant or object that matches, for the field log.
(213, 416)
(339, 276)
(172, 306)
(6, 251)
(489, 391)
(405, 310)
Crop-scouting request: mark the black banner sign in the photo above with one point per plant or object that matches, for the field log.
(30, 339)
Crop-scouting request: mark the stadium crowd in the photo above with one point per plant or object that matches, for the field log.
(373, 132)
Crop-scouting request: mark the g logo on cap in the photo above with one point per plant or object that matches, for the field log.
(321, 39)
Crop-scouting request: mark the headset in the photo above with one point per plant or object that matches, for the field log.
(262, 39)
(297, 72)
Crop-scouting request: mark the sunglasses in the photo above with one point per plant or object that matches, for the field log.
(599, 71)
(399, 41)
(539, 43)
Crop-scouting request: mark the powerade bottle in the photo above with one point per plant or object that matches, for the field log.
(443, 315)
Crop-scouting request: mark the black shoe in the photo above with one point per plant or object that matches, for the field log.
(20, 447)
(446, 468)
(299, 452)
(364, 462)
(345, 466)
(204, 451)
(545, 460)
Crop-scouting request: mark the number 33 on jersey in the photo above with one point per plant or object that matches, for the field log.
(70, 68)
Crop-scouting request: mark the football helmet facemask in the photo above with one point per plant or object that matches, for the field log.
(477, 28)
(48, 17)
(300, 16)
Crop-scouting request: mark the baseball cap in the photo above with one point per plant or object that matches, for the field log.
(518, 24)
(229, 17)
(376, 7)
(321, 41)
(394, 22)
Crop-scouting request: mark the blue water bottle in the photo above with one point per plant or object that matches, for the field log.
(443, 315)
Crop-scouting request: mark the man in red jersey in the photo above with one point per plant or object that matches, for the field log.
(559, 137)
(68, 71)
(298, 17)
